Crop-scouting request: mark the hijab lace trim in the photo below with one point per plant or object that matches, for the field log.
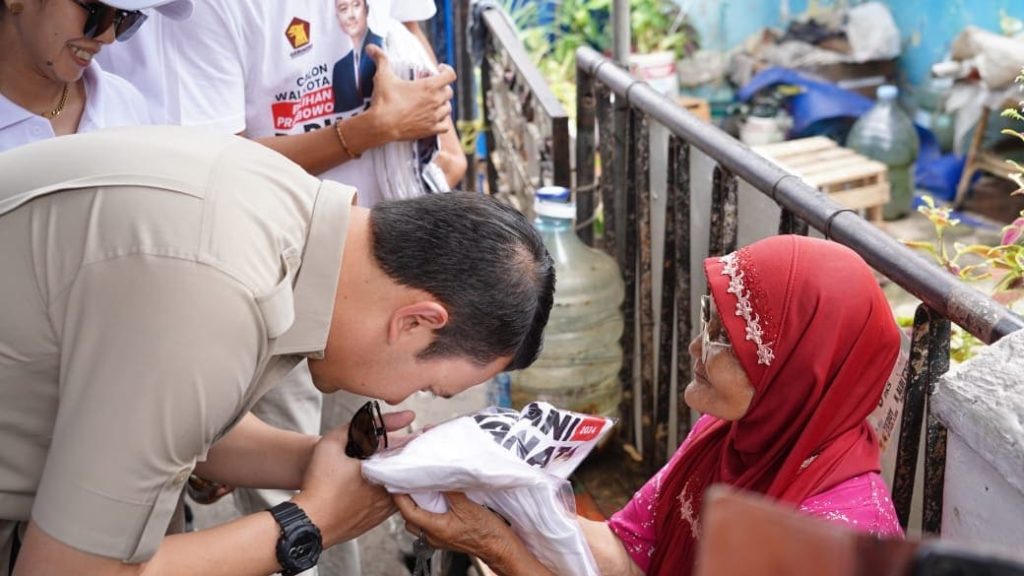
(744, 309)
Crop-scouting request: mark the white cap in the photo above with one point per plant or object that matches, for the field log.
(887, 92)
(553, 202)
(173, 9)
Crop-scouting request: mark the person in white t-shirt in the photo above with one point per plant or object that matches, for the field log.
(49, 83)
(146, 61)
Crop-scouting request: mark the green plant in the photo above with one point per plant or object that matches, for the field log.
(657, 25)
(661, 25)
(1003, 264)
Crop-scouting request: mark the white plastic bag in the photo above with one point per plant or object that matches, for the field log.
(405, 169)
(516, 463)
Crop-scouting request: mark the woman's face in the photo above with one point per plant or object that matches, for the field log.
(352, 17)
(720, 386)
(49, 34)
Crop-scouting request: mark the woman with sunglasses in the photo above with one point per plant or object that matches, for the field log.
(49, 83)
(797, 341)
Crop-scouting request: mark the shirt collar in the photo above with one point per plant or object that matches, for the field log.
(316, 283)
(11, 113)
(94, 95)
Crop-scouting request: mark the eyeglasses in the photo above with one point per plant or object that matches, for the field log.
(102, 17)
(365, 432)
(719, 338)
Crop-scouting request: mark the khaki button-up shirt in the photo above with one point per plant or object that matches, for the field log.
(156, 281)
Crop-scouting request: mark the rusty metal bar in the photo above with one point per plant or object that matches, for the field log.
(641, 167)
(612, 238)
(934, 476)
(606, 139)
(485, 92)
(935, 436)
(679, 212)
(675, 318)
(918, 380)
(790, 223)
(975, 312)
(465, 95)
(724, 213)
(625, 202)
(585, 135)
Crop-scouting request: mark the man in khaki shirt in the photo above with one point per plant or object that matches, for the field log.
(157, 281)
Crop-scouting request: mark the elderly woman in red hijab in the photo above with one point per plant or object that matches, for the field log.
(796, 345)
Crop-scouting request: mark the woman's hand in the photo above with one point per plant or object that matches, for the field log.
(466, 527)
(471, 528)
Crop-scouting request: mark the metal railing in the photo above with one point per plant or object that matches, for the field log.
(621, 110)
(527, 128)
(528, 141)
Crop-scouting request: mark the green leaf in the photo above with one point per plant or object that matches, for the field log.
(921, 245)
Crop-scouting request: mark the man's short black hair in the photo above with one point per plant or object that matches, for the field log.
(482, 260)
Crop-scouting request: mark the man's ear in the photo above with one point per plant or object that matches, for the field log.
(418, 320)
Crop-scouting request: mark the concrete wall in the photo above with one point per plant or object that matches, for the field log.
(982, 403)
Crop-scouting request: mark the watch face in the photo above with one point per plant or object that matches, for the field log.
(304, 547)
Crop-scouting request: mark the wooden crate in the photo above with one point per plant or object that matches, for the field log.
(849, 178)
(699, 107)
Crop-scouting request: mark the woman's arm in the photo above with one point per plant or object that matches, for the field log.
(471, 528)
(609, 552)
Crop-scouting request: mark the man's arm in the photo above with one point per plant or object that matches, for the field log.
(212, 52)
(400, 110)
(335, 496)
(255, 454)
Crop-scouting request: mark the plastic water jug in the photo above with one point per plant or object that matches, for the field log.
(931, 110)
(886, 134)
(578, 367)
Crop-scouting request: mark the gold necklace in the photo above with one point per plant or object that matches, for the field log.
(60, 105)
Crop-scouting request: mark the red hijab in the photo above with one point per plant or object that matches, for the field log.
(817, 339)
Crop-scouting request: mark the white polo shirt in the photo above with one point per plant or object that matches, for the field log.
(109, 101)
(265, 69)
(156, 282)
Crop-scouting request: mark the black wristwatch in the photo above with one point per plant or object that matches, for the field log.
(299, 547)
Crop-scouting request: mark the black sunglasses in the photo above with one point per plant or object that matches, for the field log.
(101, 17)
(365, 432)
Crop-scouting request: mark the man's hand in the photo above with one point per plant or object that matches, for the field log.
(410, 109)
(334, 493)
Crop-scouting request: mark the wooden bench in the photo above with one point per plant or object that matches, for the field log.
(849, 178)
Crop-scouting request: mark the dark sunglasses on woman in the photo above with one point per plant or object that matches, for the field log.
(366, 432)
(102, 17)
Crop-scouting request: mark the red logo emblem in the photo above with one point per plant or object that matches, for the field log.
(588, 429)
(297, 33)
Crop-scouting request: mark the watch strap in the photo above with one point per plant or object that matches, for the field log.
(288, 514)
(290, 517)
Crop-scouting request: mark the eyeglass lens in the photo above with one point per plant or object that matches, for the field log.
(705, 319)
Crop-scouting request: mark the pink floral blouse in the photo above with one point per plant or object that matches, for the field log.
(861, 503)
